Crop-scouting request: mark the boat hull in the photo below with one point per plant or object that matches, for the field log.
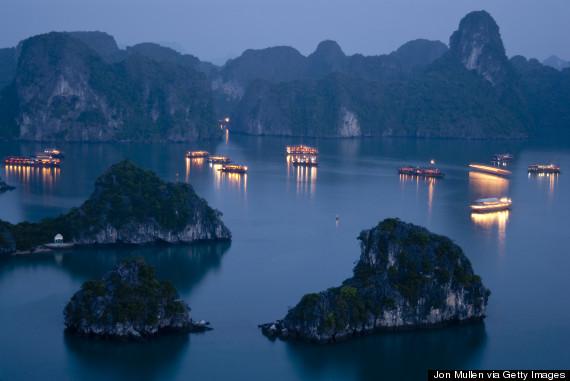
(423, 172)
(543, 169)
(490, 205)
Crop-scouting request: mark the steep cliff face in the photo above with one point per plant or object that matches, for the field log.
(478, 45)
(64, 90)
(52, 86)
(129, 303)
(8, 63)
(406, 278)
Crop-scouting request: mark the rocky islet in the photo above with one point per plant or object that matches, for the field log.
(406, 278)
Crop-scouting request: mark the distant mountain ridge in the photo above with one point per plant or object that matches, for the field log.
(284, 64)
(152, 92)
(471, 91)
(557, 63)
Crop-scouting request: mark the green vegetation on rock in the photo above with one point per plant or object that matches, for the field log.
(125, 199)
(128, 303)
(406, 277)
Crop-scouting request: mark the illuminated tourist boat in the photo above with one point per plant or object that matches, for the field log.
(543, 168)
(305, 160)
(39, 160)
(233, 168)
(421, 171)
(54, 152)
(301, 149)
(489, 169)
(197, 154)
(503, 157)
(493, 204)
(219, 160)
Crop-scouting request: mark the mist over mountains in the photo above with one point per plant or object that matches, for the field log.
(80, 86)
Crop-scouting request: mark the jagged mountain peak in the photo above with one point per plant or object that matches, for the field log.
(328, 50)
(556, 62)
(327, 58)
(478, 45)
(420, 52)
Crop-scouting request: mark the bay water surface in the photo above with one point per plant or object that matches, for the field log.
(287, 241)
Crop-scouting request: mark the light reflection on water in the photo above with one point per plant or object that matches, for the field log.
(195, 166)
(305, 177)
(417, 180)
(28, 176)
(484, 185)
(272, 262)
(488, 221)
(550, 179)
(233, 181)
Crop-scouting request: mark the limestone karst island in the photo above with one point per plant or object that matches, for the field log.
(129, 205)
(129, 303)
(406, 278)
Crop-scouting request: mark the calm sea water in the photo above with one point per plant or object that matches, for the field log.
(287, 242)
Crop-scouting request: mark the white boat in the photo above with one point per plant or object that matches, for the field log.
(492, 204)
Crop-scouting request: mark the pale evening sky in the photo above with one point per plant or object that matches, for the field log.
(216, 29)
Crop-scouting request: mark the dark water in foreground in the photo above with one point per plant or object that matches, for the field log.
(287, 243)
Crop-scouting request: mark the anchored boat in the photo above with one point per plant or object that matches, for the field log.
(219, 160)
(54, 152)
(38, 160)
(232, 168)
(503, 157)
(302, 149)
(305, 160)
(543, 168)
(421, 171)
(197, 154)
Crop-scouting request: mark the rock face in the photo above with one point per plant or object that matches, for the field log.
(128, 304)
(478, 45)
(131, 205)
(406, 278)
(7, 66)
(65, 90)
